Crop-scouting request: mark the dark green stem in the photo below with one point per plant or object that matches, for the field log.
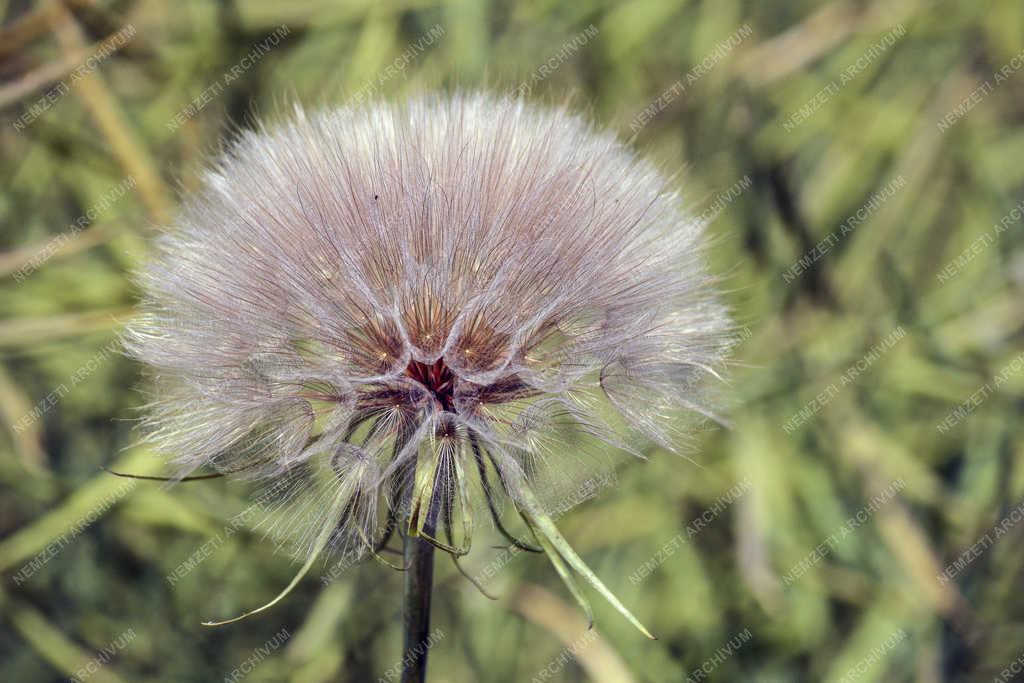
(419, 583)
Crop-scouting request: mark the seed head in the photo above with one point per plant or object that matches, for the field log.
(398, 313)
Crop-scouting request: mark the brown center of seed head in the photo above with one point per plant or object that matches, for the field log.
(437, 378)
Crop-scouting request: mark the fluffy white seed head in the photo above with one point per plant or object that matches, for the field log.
(452, 285)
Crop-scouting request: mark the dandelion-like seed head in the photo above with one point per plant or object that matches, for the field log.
(398, 314)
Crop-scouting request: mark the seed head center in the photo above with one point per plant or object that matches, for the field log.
(437, 378)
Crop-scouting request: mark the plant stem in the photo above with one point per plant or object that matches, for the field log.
(419, 583)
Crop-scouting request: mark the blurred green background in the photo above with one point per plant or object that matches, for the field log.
(860, 162)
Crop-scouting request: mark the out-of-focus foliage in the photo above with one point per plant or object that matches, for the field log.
(790, 120)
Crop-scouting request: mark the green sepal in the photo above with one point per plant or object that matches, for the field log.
(558, 549)
(563, 572)
(427, 466)
(340, 500)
